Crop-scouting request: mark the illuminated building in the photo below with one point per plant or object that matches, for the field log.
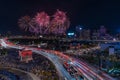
(25, 55)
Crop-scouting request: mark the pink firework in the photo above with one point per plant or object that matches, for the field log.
(42, 24)
(42, 19)
(60, 22)
(34, 27)
(59, 17)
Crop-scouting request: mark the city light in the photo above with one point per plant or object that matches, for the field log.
(80, 28)
(71, 34)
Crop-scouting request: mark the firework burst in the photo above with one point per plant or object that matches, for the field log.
(60, 22)
(24, 23)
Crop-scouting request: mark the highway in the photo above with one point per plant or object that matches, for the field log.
(62, 72)
(92, 72)
(89, 72)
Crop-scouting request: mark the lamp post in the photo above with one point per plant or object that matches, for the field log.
(80, 29)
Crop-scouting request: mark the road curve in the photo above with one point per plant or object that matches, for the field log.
(54, 59)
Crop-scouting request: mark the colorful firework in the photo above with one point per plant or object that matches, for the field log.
(25, 23)
(60, 17)
(41, 23)
(34, 27)
(43, 20)
(60, 22)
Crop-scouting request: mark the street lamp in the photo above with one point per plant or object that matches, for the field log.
(79, 30)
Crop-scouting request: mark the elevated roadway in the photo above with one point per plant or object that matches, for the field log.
(88, 72)
(54, 59)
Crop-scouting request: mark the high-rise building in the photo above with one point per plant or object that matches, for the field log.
(95, 34)
(86, 34)
(79, 31)
(102, 30)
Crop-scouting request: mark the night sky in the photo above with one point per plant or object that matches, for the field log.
(88, 13)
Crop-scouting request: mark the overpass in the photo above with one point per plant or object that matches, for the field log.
(61, 39)
(54, 59)
(87, 71)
